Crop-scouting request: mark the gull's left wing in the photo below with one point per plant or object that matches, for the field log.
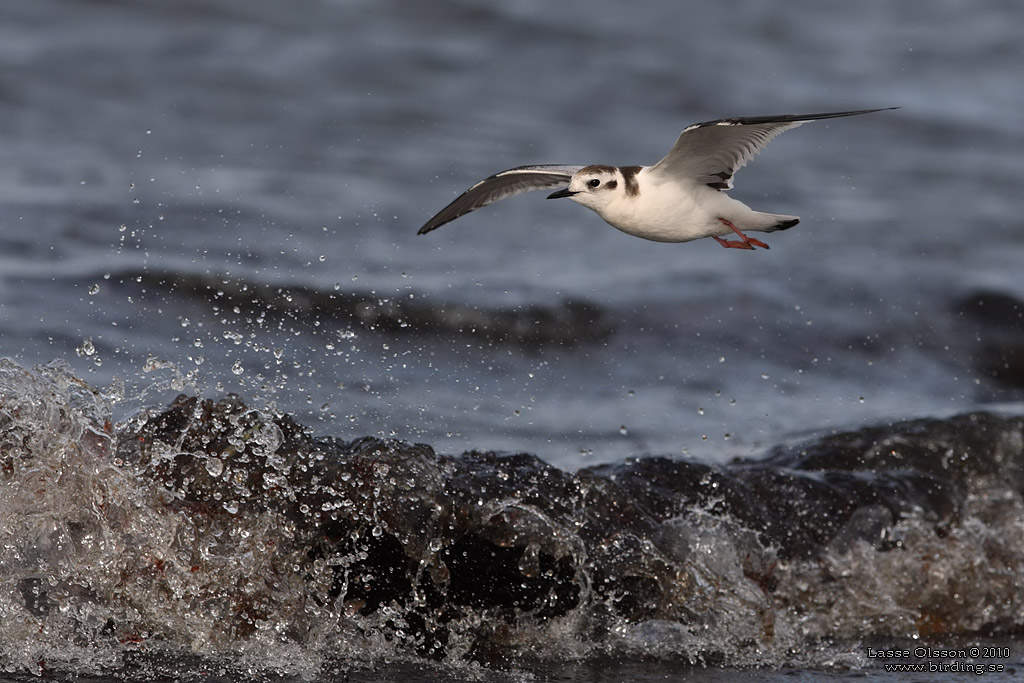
(710, 153)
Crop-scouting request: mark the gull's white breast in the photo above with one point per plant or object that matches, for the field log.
(662, 211)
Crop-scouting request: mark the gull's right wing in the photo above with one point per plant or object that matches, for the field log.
(502, 186)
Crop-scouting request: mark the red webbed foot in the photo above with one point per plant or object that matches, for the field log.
(746, 243)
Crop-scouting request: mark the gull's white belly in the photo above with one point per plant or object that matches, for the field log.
(664, 214)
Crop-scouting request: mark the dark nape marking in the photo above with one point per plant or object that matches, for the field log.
(597, 168)
(629, 176)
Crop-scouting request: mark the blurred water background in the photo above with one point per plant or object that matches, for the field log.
(264, 143)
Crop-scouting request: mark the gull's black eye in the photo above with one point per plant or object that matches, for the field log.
(593, 182)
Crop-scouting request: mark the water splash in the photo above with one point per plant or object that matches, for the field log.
(213, 530)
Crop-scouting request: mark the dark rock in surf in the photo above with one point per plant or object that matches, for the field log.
(564, 323)
(997, 322)
(440, 539)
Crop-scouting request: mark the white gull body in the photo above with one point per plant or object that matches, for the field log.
(679, 199)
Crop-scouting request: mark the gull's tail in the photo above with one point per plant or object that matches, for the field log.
(770, 222)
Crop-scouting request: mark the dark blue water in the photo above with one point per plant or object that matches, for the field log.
(255, 143)
(164, 161)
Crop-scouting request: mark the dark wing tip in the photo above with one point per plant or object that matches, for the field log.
(442, 217)
(787, 118)
(457, 208)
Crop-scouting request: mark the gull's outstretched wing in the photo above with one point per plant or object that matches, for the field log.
(502, 186)
(710, 153)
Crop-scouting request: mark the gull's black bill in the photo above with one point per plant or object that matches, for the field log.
(560, 194)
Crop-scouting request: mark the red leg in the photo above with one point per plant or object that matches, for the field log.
(747, 243)
(732, 244)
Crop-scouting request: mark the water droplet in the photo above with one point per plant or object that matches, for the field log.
(86, 349)
(214, 466)
(700, 411)
(95, 289)
(237, 368)
(623, 430)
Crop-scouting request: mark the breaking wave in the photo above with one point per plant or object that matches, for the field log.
(211, 529)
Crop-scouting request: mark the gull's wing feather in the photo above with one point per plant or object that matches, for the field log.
(502, 186)
(710, 153)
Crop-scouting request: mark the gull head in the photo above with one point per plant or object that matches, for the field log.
(595, 187)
